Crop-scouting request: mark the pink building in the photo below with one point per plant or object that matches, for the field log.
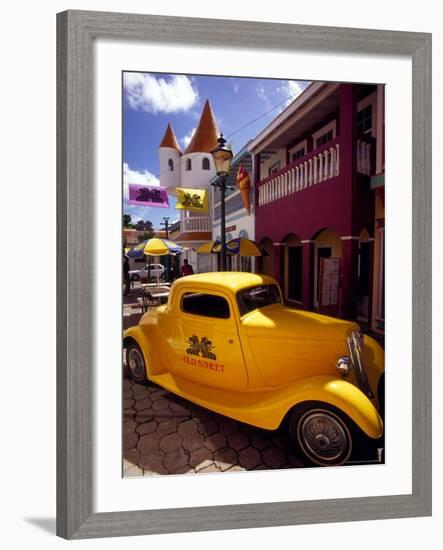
(315, 208)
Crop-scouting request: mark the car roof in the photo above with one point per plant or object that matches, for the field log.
(228, 280)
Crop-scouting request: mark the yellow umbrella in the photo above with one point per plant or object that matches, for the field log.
(210, 247)
(243, 247)
(161, 247)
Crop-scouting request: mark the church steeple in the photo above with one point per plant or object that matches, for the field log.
(205, 138)
(169, 139)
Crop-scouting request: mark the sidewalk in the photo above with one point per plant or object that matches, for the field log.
(164, 434)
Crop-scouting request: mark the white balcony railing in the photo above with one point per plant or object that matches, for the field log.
(195, 224)
(363, 157)
(320, 167)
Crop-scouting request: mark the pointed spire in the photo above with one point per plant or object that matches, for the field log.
(169, 139)
(205, 138)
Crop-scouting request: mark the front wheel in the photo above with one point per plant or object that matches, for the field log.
(321, 434)
(136, 363)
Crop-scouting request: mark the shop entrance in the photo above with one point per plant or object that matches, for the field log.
(295, 273)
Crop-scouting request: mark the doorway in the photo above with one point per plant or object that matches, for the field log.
(295, 273)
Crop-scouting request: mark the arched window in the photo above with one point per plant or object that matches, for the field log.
(205, 164)
(188, 165)
(171, 165)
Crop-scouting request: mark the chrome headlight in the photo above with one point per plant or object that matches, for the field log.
(344, 365)
(355, 344)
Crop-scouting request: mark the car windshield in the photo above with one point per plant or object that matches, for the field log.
(257, 297)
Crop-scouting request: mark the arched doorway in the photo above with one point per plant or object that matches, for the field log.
(293, 268)
(266, 264)
(327, 245)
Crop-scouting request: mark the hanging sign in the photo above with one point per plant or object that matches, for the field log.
(195, 200)
(329, 296)
(244, 186)
(148, 195)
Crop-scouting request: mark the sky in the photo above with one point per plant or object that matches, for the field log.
(242, 107)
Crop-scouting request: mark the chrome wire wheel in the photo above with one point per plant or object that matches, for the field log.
(323, 437)
(136, 363)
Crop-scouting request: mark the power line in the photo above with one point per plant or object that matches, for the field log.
(196, 155)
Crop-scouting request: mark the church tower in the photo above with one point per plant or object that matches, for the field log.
(169, 153)
(192, 169)
(197, 164)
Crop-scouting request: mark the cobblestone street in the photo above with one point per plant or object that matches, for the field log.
(164, 434)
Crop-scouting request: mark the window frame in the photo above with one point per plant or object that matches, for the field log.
(238, 297)
(370, 99)
(302, 145)
(324, 130)
(273, 168)
(200, 315)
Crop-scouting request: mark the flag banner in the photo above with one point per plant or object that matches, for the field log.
(195, 200)
(244, 186)
(148, 195)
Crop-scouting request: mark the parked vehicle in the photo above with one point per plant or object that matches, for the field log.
(148, 273)
(227, 342)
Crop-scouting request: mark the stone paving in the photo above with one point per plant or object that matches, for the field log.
(165, 434)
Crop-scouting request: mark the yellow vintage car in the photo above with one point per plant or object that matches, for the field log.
(227, 342)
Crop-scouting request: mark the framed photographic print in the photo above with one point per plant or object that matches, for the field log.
(232, 176)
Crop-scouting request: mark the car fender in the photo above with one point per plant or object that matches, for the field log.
(267, 409)
(142, 335)
(374, 362)
(340, 394)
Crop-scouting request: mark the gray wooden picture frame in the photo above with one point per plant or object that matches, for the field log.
(76, 32)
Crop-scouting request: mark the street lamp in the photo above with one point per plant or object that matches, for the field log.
(222, 156)
(168, 258)
(166, 224)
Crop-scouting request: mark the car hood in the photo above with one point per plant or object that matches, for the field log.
(278, 321)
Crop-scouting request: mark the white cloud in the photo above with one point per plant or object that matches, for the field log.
(159, 95)
(290, 89)
(133, 176)
(187, 138)
(261, 92)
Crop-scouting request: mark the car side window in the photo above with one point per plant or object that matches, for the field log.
(206, 305)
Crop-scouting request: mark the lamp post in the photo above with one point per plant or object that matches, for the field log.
(166, 224)
(222, 156)
(168, 259)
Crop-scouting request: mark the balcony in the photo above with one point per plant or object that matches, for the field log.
(318, 166)
(365, 151)
(195, 224)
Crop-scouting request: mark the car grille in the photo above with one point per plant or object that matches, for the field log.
(355, 344)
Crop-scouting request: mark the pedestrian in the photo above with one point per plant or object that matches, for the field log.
(187, 269)
(126, 276)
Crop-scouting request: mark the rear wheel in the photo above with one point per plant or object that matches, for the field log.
(321, 434)
(136, 363)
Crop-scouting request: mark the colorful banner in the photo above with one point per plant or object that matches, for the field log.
(244, 186)
(148, 195)
(195, 200)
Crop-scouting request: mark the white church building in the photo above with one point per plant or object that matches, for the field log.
(194, 168)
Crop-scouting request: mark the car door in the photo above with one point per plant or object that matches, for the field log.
(209, 351)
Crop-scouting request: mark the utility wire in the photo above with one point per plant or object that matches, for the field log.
(196, 155)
